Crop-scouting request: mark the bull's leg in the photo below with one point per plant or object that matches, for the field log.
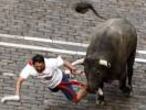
(123, 83)
(100, 95)
(123, 86)
(130, 64)
(127, 88)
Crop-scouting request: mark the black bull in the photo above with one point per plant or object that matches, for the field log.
(110, 55)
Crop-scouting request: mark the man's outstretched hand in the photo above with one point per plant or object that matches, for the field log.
(10, 98)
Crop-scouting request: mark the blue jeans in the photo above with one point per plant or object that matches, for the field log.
(66, 87)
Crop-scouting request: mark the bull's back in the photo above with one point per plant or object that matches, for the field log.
(113, 38)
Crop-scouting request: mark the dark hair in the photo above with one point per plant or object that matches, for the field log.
(37, 58)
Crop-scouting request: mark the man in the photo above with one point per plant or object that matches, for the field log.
(47, 69)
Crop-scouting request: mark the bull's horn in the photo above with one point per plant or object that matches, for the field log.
(105, 63)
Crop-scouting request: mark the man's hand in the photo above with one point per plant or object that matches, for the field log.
(69, 66)
(10, 98)
(74, 72)
(16, 97)
(77, 72)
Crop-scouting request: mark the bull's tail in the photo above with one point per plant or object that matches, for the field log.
(83, 7)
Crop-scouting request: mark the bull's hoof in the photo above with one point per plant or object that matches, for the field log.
(100, 100)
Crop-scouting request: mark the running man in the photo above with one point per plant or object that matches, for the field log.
(47, 69)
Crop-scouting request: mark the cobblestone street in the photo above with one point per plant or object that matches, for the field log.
(51, 28)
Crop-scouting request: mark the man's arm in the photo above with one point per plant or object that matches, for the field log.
(15, 97)
(69, 66)
(24, 74)
(72, 68)
(19, 82)
(77, 62)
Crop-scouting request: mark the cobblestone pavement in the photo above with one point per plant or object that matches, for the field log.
(25, 30)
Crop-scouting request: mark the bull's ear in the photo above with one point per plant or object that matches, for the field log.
(104, 63)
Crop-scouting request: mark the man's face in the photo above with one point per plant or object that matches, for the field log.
(39, 66)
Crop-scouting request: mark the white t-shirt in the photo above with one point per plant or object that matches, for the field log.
(52, 75)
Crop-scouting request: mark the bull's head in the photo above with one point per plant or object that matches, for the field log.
(95, 70)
